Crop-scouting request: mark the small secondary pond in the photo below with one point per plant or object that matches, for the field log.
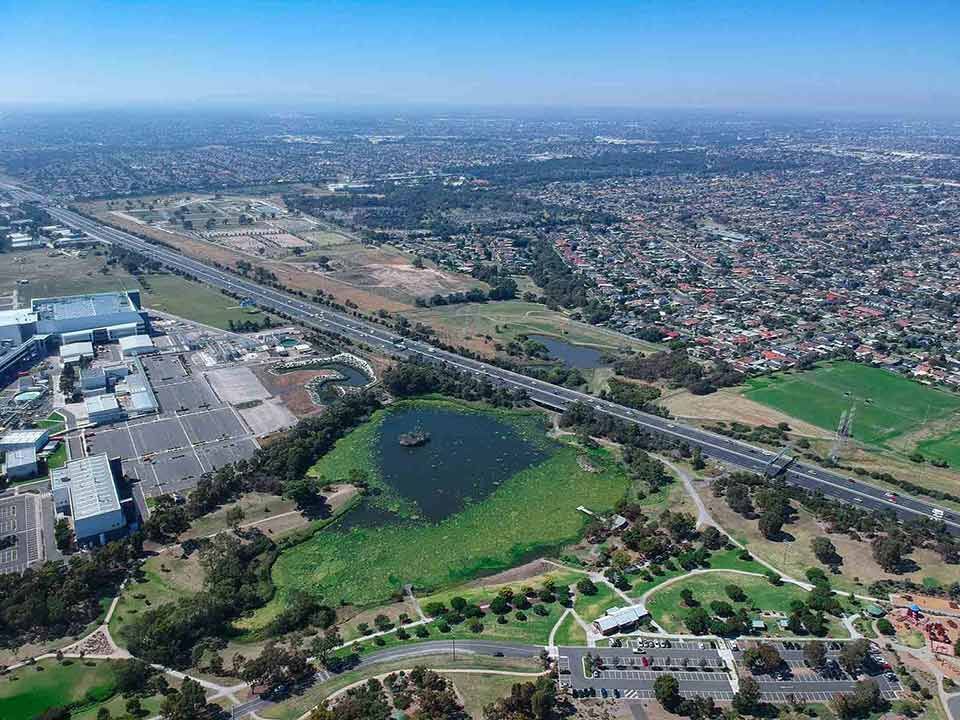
(467, 456)
(574, 356)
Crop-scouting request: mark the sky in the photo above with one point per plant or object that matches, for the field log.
(878, 56)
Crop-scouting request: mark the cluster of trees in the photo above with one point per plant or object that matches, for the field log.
(634, 395)
(865, 699)
(409, 379)
(679, 370)
(561, 286)
(59, 599)
(527, 701)
(528, 599)
(505, 289)
(430, 693)
(769, 499)
(766, 434)
(250, 325)
(236, 579)
(620, 163)
(666, 689)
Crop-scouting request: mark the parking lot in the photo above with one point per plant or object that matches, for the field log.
(194, 432)
(19, 532)
(629, 672)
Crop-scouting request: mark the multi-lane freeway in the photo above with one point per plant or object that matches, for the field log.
(719, 447)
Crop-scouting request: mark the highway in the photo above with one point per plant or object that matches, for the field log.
(718, 447)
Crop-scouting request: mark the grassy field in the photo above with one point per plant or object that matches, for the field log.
(533, 512)
(720, 560)
(946, 447)
(297, 705)
(794, 555)
(30, 690)
(570, 633)
(667, 608)
(479, 690)
(896, 406)
(194, 301)
(68, 275)
(484, 593)
(165, 579)
(503, 321)
(590, 607)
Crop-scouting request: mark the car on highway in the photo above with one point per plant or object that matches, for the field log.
(890, 496)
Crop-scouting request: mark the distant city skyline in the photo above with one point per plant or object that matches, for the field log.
(851, 56)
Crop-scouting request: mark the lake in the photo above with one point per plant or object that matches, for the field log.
(574, 356)
(469, 454)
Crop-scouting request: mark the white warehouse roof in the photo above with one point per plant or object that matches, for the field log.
(90, 482)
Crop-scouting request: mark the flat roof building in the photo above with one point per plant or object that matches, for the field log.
(620, 619)
(86, 489)
(102, 408)
(96, 314)
(22, 463)
(75, 352)
(136, 345)
(14, 439)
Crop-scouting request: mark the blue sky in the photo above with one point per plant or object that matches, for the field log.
(873, 56)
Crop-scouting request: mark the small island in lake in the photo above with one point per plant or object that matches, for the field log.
(414, 439)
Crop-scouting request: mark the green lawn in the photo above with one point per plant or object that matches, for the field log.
(532, 513)
(590, 607)
(507, 319)
(667, 608)
(166, 578)
(58, 457)
(55, 422)
(483, 594)
(946, 447)
(719, 560)
(897, 405)
(195, 301)
(570, 633)
(30, 690)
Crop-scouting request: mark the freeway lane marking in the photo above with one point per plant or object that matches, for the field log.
(299, 308)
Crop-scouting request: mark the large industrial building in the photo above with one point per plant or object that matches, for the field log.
(71, 321)
(97, 317)
(86, 490)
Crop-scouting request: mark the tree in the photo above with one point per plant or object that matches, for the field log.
(770, 524)
(234, 516)
(323, 646)
(133, 707)
(189, 703)
(698, 621)
(303, 491)
(854, 655)
(688, 599)
(825, 551)
(747, 698)
(738, 498)
(888, 552)
(63, 534)
(103, 714)
(763, 658)
(697, 460)
(667, 691)
(815, 653)
(585, 586)
(735, 593)
(886, 627)
(712, 538)
(276, 666)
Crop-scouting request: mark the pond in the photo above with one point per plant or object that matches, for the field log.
(467, 456)
(574, 356)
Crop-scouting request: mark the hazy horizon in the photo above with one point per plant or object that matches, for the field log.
(727, 56)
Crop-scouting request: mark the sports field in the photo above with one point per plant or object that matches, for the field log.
(887, 406)
(27, 692)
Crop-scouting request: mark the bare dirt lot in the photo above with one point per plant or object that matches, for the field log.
(372, 278)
